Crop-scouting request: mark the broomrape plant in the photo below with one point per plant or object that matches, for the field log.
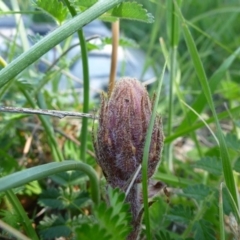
(130, 187)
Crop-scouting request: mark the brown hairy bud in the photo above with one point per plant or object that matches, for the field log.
(121, 135)
(123, 124)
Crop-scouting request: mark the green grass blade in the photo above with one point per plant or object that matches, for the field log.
(35, 173)
(19, 210)
(221, 214)
(54, 38)
(86, 85)
(12, 231)
(223, 115)
(214, 81)
(145, 156)
(226, 164)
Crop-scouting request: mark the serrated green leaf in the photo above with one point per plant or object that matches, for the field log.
(82, 3)
(54, 8)
(113, 221)
(125, 10)
(203, 230)
(123, 42)
(210, 164)
(164, 235)
(54, 227)
(107, 18)
(180, 213)
(198, 191)
(232, 141)
(50, 198)
(10, 218)
(62, 198)
(132, 11)
(68, 178)
(88, 232)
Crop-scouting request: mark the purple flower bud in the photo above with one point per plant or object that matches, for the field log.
(123, 124)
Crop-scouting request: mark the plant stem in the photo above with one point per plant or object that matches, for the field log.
(48, 128)
(84, 52)
(114, 55)
(18, 208)
(173, 36)
(12, 231)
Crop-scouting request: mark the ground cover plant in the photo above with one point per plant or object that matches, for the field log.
(50, 183)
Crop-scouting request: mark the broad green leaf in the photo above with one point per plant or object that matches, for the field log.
(82, 3)
(203, 230)
(62, 198)
(125, 10)
(210, 164)
(54, 227)
(232, 142)
(68, 178)
(50, 198)
(180, 214)
(198, 191)
(54, 8)
(132, 11)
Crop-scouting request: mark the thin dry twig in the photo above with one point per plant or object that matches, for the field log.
(53, 113)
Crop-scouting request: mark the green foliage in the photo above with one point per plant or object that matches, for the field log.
(68, 179)
(55, 226)
(125, 10)
(54, 8)
(82, 3)
(233, 142)
(203, 230)
(62, 198)
(132, 11)
(123, 41)
(10, 218)
(180, 214)
(112, 222)
(65, 197)
(164, 235)
(210, 164)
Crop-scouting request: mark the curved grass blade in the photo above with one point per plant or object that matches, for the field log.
(227, 169)
(35, 173)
